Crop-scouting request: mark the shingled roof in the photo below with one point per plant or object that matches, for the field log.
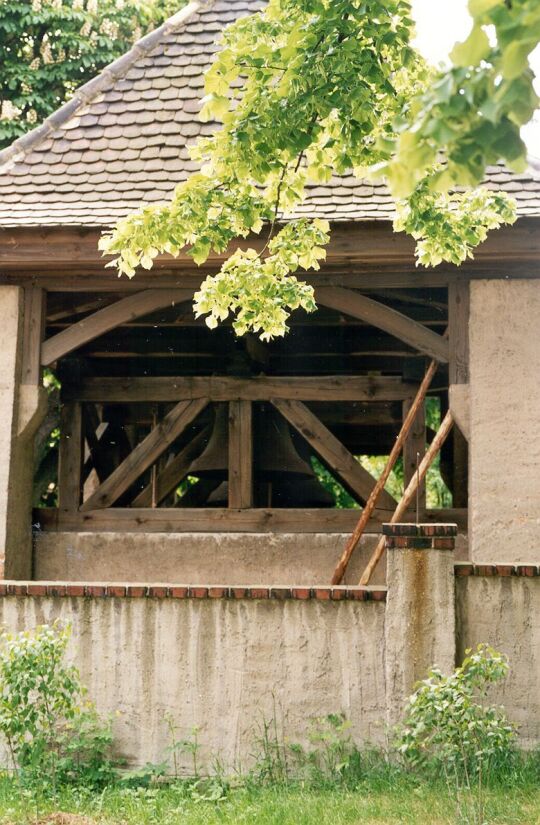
(123, 140)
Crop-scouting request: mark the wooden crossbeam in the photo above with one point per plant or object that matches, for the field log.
(224, 388)
(145, 453)
(385, 318)
(331, 451)
(100, 322)
(171, 475)
(221, 520)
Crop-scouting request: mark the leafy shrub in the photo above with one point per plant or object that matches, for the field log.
(449, 728)
(54, 736)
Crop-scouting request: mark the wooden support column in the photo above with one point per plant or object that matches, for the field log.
(458, 394)
(458, 331)
(240, 454)
(414, 448)
(23, 404)
(70, 454)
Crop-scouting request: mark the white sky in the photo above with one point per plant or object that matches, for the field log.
(439, 24)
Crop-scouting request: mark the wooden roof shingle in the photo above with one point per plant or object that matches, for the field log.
(123, 140)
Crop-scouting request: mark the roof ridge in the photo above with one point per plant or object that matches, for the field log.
(86, 93)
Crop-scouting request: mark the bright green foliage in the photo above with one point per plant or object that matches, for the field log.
(53, 735)
(49, 47)
(259, 290)
(308, 88)
(472, 113)
(449, 726)
(449, 226)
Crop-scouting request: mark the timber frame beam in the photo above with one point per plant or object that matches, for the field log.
(385, 318)
(106, 319)
(224, 388)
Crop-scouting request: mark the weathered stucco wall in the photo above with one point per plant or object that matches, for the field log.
(505, 612)
(209, 558)
(505, 420)
(220, 665)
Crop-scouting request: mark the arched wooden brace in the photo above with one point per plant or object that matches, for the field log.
(102, 321)
(378, 315)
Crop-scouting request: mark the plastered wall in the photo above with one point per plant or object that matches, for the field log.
(505, 612)
(504, 489)
(221, 665)
(204, 558)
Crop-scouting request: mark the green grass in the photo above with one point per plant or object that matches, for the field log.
(402, 801)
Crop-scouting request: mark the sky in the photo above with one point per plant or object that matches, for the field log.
(439, 24)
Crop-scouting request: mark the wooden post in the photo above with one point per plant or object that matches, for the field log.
(367, 512)
(33, 327)
(458, 330)
(240, 454)
(410, 492)
(414, 447)
(70, 454)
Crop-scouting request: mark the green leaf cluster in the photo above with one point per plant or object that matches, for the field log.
(450, 727)
(53, 734)
(50, 47)
(471, 115)
(309, 88)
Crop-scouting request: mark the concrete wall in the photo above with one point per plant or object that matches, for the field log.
(209, 558)
(505, 612)
(219, 664)
(504, 490)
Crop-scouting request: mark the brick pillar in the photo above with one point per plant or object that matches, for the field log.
(420, 608)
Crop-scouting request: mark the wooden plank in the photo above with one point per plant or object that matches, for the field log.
(407, 425)
(331, 451)
(33, 326)
(458, 330)
(259, 388)
(410, 492)
(145, 453)
(70, 455)
(240, 455)
(127, 309)
(362, 242)
(415, 445)
(94, 430)
(385, 318)
(220, 520)
(172, 474)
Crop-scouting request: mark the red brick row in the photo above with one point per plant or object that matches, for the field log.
(469, 569)
(190, 592)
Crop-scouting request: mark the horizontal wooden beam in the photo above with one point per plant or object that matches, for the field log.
(220, 520)
(224, 388)
(360, 241)
(106, 319)
(385, 318)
